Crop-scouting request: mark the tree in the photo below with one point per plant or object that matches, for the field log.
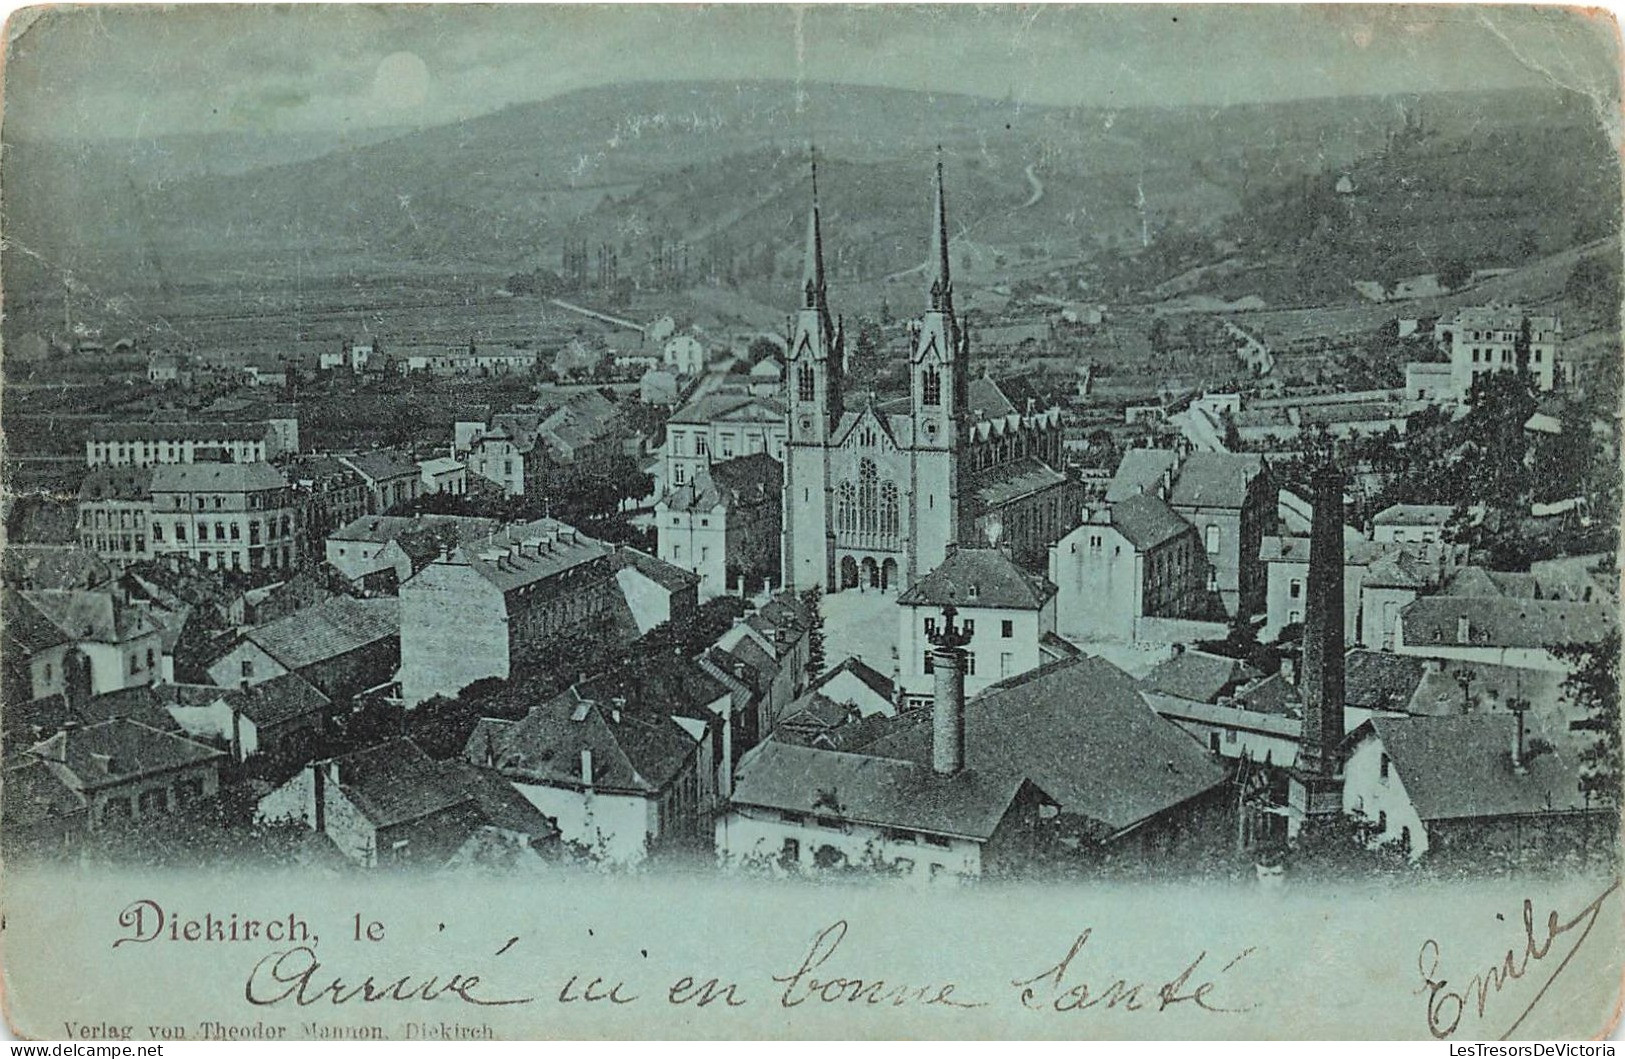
(1494, 463)
(1158, 336)
(1455, 274)
(1593, 686)
(813, 599)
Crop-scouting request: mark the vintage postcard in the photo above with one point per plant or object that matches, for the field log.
(810, 521)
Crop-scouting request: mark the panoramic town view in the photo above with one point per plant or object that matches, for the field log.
(811, 479)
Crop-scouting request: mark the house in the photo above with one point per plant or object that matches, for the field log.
(228, 516)
(121, 770)
(1486, 339)
(1379, 579)
(806, 809)
(725, 524)
(763, 658)
(392, 805)
(33, 649)
(342, 646)
(619, 781)
(1129, 785)
(861, 687)
(282, 715)
(140, 444)
(1132, 559)
(1411, 523)
(1523, 633)
(114, 644)
(525, 449)
(399, 543)
(1229, 497)
(114, 505)
(333, 493)
(1004, 609)
(684, 354)
(658, 386)
(1430, 381)
(1473, 785)
(443, 474)
(392, 478)
(470, 611)
(164, 369)
(721, 426)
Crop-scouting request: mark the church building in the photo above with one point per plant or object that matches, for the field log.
(879, 491)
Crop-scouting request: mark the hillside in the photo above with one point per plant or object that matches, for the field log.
(721, 169)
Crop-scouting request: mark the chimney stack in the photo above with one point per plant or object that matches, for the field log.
(586, 768)
(948, 703)
(1520, 765)
(1322, 683)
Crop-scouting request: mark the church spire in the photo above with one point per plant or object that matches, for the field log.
(942, 288)
(813, 269)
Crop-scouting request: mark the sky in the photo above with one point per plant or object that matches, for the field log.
(122, 72)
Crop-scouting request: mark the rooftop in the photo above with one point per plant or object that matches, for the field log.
(1140, 471)
(215, 477)
(1147, 522)
(180, 431)
(116, 483)
(993, 487)
(117, 751)
(1527, 623)
(879, 791)
(1414, 515)
(1197, 676)
(327, 630)
(1460, 767)
(1079, 730)
(979, 577)
(1215, 479)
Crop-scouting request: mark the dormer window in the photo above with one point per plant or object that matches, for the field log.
(973, 592)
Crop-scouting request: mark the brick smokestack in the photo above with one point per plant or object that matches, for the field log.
(948, 702)
(1321, 681)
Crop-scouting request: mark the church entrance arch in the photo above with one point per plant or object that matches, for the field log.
(871, 573)
(888, 574)
(849, 572)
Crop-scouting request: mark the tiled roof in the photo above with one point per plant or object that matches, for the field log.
(141, 703)
(269, 703)
(1079, 730)
(669, 577)
(1273, 694)
(215, 477)
(382, 464)
(879, 791)
(1215, 479)
(327, 630)
(117, 483)
(117, 751)
(1140, 471)
(632, 752)
(518, 556)
(742, 481)
(1381, 680)
(25, 627)
(1413, 515)
(193, 431)
(396, 782)
(36, 793)
(53, 566)
(732, 408)
(994, 487)
(1436, 621)
(1147, 521)
(1196, 675)
(95, 616)
(1461, 768)
(979, 577)
(379, 529)
(871, 678)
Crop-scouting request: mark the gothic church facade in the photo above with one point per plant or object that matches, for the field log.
(878, 491)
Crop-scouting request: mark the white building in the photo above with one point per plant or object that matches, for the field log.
(1484, 339)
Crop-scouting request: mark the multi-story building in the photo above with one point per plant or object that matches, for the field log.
(725, 524)
(1485, 339)
(114, 505)
(113, 644)
(229, 516)
(147, 444)
(1379, 579)
(1006, 612)
(334, 493)
(392, 479)
(1133, 559)
(468, 614)
(520, 450)
(718, 427)
(443, 474)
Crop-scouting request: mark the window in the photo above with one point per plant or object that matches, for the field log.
(804, 383)
(1213, 741)
(202, 531)
(974, 592)
(157, 532)
(1382, 766)
(154, 801)
(702, 445)
(929, 665)
(1007, 629)
(930, 387)
(1212, 533)
(1382, 820)
(246, 668)
(219, 531)
(970, 663)
(1295, 589)
(236, 531)
(48, 671)
(1007, 664)
(135, 663)
(180, 531)
(930, 626)
(792, 850)
(970, 623)
(150, 658)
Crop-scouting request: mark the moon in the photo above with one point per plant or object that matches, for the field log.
(401, 80)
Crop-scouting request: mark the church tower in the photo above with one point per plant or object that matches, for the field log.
(813, 369)
(939, 398)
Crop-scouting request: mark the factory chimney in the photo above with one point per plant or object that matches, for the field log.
(1322, 678)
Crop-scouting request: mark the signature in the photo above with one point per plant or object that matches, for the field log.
(1447, 1004)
